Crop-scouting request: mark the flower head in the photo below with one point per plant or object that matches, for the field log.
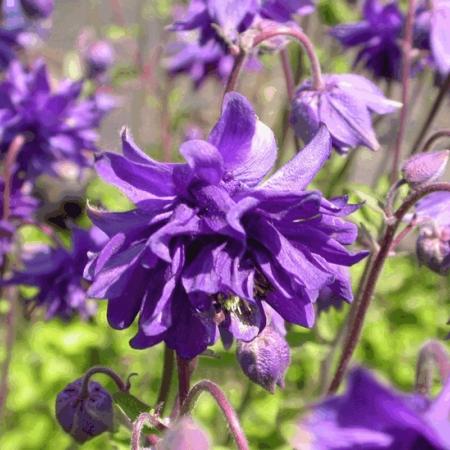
(209, 241)
(99, 56)
(373, 416)
(58, 126)
(85, 417)
(344, 105)
(425, 168)
(377, 36)
(433, 245)
(58, 273)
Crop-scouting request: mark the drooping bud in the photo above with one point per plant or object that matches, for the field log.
(433, 248)
(185, 434)
(99, 57)
(265, 359)
(37, 9)
(84, 416)
(425, 168)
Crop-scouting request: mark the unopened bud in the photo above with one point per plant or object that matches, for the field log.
(433, 248)
(425, 168)
(265, 359)
(84, 416)
(99, 57)
(184, 435)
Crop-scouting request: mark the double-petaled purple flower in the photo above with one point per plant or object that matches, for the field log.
(377, 36)
(209, 241)
(218, 24)
(433, 244)
(372, 416)
(344, 104)
(58, 274)
(58, 126)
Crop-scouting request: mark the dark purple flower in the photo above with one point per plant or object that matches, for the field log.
(59, 127)
(58, 273)
(266, 358)
(433, 218)
(9, 45)
(184, 434)
(377, 36)
(425, 168)
(99, 56)
(344, 105)
(85, 417)
(38, 9)
(209, 241)
(370, 415)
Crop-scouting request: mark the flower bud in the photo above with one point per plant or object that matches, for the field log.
(433, 248)
(99, 57)
(84, 417)
(37, 9)
(185, 434)
(425, 167)
(265, 359)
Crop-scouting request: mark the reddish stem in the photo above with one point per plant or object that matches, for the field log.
(288, 75)
(435, 137)
(123, 386)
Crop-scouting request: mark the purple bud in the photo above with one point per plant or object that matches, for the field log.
(84, 418)
(184, 435)
(265, 359)
(425, 167)
(433, 248)
(99, 57)
(38, 9)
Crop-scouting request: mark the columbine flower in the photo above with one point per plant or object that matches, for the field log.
(58, 126)
(433, 245)
(85, 417)
(372, 416)
(344, 105)
(218, 23)
(209, 241)
(99, 56)
(377, 36)
(58, 273)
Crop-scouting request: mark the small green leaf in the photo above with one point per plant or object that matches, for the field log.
(130, 405)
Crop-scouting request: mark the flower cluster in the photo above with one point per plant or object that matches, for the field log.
(209, 241)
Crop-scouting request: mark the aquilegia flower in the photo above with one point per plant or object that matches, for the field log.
(372, 416)
(433, 244)
(58, 126)
(58, 274)
(344, 105)
(98, 57)
(218, 24)
(377, 36)
(209, 241)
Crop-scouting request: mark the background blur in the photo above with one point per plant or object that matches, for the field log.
(411, 305)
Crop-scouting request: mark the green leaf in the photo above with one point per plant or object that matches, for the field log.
(130, 405)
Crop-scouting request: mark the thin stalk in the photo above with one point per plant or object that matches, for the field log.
(435, 107)
(224, 405)
(287, 72)
(406, 71)
(166, 379)
(185, 369)
(437, 135)
(11, 157)
(233, 79)
(354, 334)
(122, 385)
(138, 426)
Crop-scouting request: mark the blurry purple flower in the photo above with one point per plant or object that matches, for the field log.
(425, 168)
(372, 416)
(377, 36)
(38, 9)
(184, 434)
(209, 242)
(9, 45)
(58, 126)
(344, 105)
(58, 273)
(433, 218)
(266, 358)
(85, 417)
(99, 56)
(284, 10)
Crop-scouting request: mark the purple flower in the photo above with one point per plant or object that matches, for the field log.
(184, 434)
(433, 245)
(425, 168)
(59, 127)
(99, 56)
(344, 105)
(372, 416)
(85, 417)
(9, 45)
(38, 9)
(377, 36)
(209, 241)
(58, 273)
